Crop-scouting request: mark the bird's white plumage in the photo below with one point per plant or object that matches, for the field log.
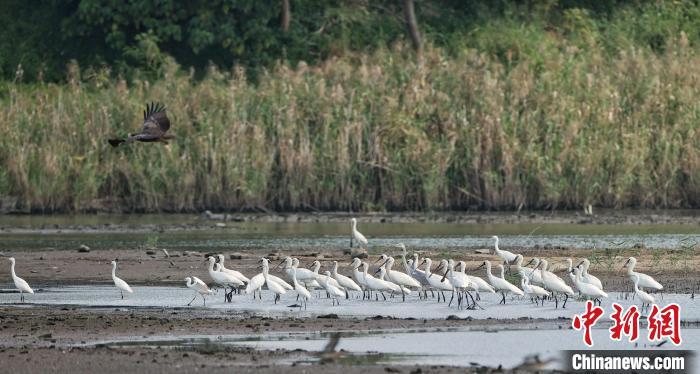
(500, 284)
(589, 278)
(587, 290)
(641, 294)
(533, 290)
(644, 280)
(434, 280)
(506, 256)
(20, 283)
(118, 282)
(345, 282)
(232, 272)
(356, 234)
(552, 282)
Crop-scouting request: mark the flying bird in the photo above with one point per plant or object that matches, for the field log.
(155, 127)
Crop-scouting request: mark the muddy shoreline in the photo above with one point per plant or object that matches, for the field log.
(77, 340)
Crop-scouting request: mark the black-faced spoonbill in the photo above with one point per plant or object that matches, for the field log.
(644, 280)
(588, 290)
(589, 278)
(345, 282)
(235, 273)
(199, 288)
(20, 283)
(331, 286)
(273, 286)
(435, 281)
(556, 285)
(118, 282)
(499, 284)
(223, 279)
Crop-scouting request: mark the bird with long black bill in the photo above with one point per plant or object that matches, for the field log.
(155, 127)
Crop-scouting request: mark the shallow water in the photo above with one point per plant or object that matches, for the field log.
(455, 347)
(169, 297)
(265, 236)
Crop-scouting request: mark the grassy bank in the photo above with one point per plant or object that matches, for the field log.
(368, 132)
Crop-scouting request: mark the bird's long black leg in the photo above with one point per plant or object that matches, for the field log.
(190, 303)
(566, 297)
(383, 296)
(122, 292)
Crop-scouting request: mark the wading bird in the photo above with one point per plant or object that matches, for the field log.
(587, 290)
(589, 278)
(155, 127)
(223, 279)
(121, 285)
(535, 292)
(361, 240)
(301, 291)
(507, 256)
(645, 297)
(435, 281)
(345, 282)
(235, 273)
(556, 285)
(499, 284)
(644, 280)
(273, 286)
(20, 283)
(199, 288)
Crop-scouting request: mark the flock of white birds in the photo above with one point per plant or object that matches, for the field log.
(418, 275)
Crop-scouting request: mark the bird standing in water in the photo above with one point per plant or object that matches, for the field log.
(155, 127)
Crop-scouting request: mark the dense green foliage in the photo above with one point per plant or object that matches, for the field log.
(43, 36)
(535, 104)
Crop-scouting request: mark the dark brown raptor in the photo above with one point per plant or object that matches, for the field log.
(155, 127)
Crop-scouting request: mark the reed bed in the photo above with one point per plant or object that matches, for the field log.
(367, 132)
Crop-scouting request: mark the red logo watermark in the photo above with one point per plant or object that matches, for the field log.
(662, 323)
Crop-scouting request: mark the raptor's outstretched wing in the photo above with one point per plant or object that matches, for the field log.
(155, 121)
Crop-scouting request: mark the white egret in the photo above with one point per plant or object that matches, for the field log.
(199, 288)
(361, 240)
(345, 282)
(499, 284)
(316, 266)
(555, 284)
(644, 280)
(641, 294)
(588, 290)
(118, 282)
(305, 276)
(20, 283)
(507, 256)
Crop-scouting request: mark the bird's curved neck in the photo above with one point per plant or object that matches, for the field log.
(12, 267)
(496, 246)
(114, 270)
